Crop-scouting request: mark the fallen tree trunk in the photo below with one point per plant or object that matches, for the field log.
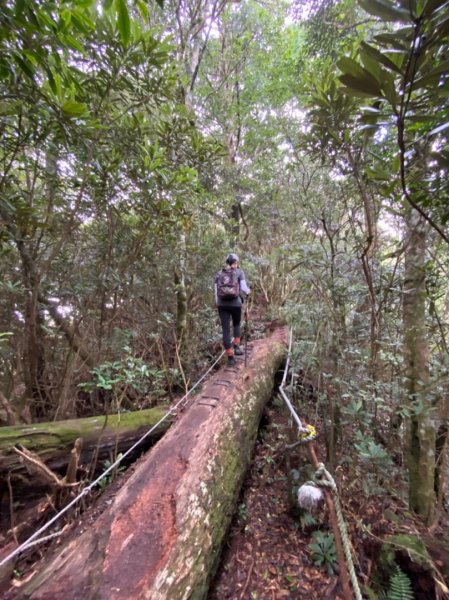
(52, 442)
(161, 537)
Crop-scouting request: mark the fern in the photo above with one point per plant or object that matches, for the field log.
(400, 587)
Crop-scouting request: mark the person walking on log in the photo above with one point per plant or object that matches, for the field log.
(230, 291)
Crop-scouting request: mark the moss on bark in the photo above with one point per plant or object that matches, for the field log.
(52, 442)
(205, 521)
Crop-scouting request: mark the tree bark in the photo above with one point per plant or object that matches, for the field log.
(181, 293)
(52, 442)
(162, 535)
(421, 426)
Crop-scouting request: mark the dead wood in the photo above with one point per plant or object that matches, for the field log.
(51, 443)
(162, 535)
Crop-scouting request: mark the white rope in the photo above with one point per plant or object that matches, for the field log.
(301, 427)
(88, 488)
(330, 482)
(46, 538)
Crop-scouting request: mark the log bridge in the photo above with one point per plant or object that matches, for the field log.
(162, 534)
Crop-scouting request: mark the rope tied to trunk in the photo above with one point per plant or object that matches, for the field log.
(324, 479)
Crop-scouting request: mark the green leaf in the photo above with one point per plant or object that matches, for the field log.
(160, 3)
(400, 586)
(350, 66)
(57, 81)
(358, 77)
(441, 92)
(431, 6)
(73, 43)
(385, 10)
(389, 89)
(66, 18)
(10, 108)
(353, 92)
(123, 22)
(363, 85)
(19, 7)
(378, 174)
(399, 41)
(143, 9)
(84, 3)
(371, 65)
(441, 29)
(417, 118)
(31, 57)
(82, 22)
(51, 80)
(439, 129)
(381, 58)
(408, 5)
(71, 108)
(26, 67)
(46, 19)
(432, 77)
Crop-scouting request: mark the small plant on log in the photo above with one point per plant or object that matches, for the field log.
(242, 511)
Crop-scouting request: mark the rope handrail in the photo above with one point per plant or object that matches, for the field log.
(328, 482)
(32, 539)
(301, 428)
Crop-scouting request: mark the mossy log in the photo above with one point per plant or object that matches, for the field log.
(162, 534)
(52, 442)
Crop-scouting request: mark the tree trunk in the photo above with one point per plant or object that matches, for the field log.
(34, 356)
(52, 442)
(34, 365)
(161, 536)
(69, 330)
(181, 294)
(421, 428)
(366, 256)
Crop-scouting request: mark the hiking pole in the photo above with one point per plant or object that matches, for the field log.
(245, 331)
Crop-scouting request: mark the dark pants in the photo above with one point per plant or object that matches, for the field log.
(227, 315)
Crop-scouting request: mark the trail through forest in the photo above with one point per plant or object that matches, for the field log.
(144, 141)
(270, 551)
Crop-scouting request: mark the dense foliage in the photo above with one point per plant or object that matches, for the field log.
(143, 141)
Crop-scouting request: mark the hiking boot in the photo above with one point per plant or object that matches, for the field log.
(238, 351)
(231, 361)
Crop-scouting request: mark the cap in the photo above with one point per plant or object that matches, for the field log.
(232, 258)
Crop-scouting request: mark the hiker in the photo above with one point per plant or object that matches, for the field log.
(230, 290)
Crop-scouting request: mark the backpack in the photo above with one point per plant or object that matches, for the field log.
(228, 286)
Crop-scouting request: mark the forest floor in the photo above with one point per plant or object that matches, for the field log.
(267, 555)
